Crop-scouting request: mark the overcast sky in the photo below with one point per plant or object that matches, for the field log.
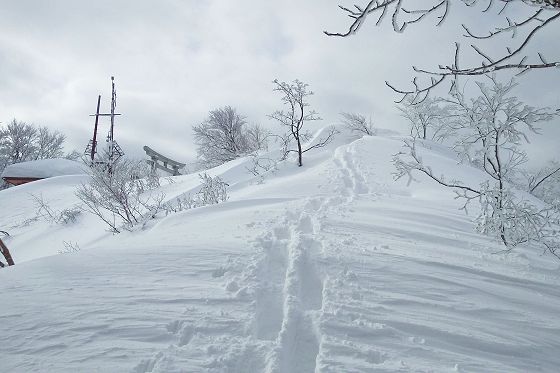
(175, 60)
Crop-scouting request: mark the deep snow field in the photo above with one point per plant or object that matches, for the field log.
(332, 267)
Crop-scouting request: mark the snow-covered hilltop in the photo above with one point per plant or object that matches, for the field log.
(331, 267)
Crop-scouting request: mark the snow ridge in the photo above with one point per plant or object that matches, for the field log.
(329, 268)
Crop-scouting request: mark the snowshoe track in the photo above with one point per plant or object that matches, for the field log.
(290, 294)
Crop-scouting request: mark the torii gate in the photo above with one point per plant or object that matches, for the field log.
(162, 162)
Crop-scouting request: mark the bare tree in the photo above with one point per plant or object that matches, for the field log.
(225, 135)
(490, 129)
(257, 138)
(537, 15)
(295, 116)
(358, 123)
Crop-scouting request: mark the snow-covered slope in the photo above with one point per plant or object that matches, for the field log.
(332, 267)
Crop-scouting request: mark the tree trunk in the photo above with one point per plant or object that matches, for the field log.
(6, 253)
(300, 152)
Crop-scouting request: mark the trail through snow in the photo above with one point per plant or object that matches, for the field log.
(333, 267)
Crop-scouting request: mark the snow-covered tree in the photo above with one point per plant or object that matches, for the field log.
(530, 19)
(225, 135)
(21, 142)
(358, 123)
(294, 116)
(490, 129)
(17, 142)
(426, 118)
(49, 144)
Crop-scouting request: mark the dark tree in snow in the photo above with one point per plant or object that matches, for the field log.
(490, 129)
(295, 115)
(6, 254)
(225, 135)
(532, 18)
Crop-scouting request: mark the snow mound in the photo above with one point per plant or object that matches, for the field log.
(44, 168)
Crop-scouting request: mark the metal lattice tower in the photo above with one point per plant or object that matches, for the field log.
(113, 150)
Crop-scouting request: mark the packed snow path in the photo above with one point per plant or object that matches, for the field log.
(330, 268)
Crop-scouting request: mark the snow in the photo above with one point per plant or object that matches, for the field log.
(331, 267)
(44, 168)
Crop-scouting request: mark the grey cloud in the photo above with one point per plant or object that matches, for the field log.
(176, 60)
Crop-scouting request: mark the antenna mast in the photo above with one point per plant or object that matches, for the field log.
(114, 151)
(94, 141)
(113, 106)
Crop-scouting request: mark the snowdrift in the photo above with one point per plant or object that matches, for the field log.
(44, 168)
(331, 267)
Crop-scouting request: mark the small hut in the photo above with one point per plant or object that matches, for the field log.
(25, 172)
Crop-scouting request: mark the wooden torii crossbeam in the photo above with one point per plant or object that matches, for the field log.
(161, 162)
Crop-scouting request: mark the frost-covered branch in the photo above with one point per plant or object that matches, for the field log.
(542, 177)
(490, 129)
(426, 118)
(415, 163)
(539, 14)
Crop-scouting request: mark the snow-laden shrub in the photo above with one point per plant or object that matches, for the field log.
(212, 191)
(46, 212)
(119, 196)
(69, 247)
(260, 165)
